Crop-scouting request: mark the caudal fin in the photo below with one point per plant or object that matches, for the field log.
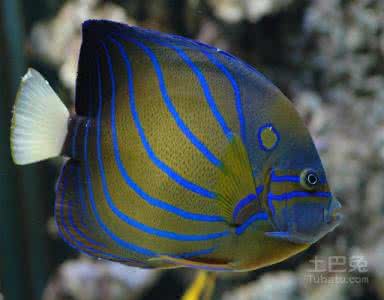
(39, 122)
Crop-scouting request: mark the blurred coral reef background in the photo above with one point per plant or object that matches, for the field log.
(325, 55)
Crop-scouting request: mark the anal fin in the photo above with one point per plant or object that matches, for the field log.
(197, 263)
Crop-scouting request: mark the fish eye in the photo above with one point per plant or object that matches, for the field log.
(309, 179)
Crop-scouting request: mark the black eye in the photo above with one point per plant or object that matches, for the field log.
(309, 179)
(312, 179)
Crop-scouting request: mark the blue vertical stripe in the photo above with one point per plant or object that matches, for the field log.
(77, 244)
(84, 211)
(246, 200)
(171, 108)
(203, 83)
(138, 225)
(159, 163)
(122, 243)
(133, 185)
(261, 216)
(236, 90)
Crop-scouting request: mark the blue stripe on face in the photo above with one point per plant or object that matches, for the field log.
(291, 195)
(285, 178)
(203, 83)
(236, 90)
(298, 194)
(140, 226)
(246, 200)
(289, 178)
(171, 108)
(159, 163)
(261, 216)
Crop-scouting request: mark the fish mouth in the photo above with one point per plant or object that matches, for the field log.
(332, 218)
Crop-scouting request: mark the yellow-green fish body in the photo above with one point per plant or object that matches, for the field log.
(179, 155)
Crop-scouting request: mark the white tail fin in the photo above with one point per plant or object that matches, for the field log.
(39, 122)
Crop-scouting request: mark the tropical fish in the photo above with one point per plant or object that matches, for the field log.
(178, 154)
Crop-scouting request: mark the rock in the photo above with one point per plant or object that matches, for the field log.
(233, 11)
(89, 279)
(276, 286)
(58, 41)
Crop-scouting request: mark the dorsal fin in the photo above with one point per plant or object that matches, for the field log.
(96, 32)
(238, 197)
(87, 81)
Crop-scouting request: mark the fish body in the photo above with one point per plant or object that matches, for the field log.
(179, 154)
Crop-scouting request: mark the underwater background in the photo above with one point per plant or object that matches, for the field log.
(327, 56)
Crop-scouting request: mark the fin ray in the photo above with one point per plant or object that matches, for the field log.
(39, 121)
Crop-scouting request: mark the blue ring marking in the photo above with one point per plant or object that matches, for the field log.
(78, 245)
(236, 91)
(138, 225)
(203, 83)
(171, 108)
(159, 163)
(261, 144)
(284, 178)
(298, 194)
(149, 199)
(260, 216)
(246, 200)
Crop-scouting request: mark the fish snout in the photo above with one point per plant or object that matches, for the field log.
(309, 223)
(333, 213)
